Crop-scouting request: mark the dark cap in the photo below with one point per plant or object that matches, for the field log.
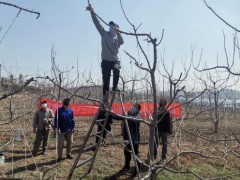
(66, 101)
(162, 102)
(111, 23)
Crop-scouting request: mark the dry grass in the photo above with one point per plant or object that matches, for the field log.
(21, 165)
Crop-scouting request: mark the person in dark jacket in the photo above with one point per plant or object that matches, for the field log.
(164, 127)
(102, 115)
(134, 128)
(64, 124)
(111, 41)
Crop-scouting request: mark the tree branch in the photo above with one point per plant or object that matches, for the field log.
(220, 17)
(21, 8)
(18, 90)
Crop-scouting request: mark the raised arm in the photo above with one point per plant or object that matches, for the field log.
(95, 20)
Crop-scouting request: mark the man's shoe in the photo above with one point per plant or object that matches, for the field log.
(59, 159)
(115, 89)
(103, 144)
(162, 161)
(34, 154)
(93, 149)
(164, 158)
(125, 168)
(69, 157)
(134, 173)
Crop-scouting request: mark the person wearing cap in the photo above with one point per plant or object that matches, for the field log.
(42, 123)
(111, 41)
(164, 128)
(64, 124)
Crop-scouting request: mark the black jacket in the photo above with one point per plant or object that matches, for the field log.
(164, 121)
(134, 128)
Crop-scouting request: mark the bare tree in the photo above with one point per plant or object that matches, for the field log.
(215, 85)
(175, 86)
(230, 62)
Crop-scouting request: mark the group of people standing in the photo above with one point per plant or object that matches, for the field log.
(162, 131)
(63, 119)
(63, 123)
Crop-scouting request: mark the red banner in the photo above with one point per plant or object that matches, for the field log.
(91, 109)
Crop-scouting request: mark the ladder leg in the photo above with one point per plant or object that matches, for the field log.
(81, 149)
(83, 145)
(103, 129)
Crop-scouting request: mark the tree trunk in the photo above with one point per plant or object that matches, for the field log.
(216, 126)
(216, 109)
(153, 125)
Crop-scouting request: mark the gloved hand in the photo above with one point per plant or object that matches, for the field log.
(117, 29)
(89, 8)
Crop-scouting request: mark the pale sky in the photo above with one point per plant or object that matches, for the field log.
(67, 26)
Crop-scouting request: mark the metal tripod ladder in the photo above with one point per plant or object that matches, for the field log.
(94, 147)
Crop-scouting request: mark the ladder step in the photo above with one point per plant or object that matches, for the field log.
(100, 120)
(95, 134)
(91, 147)
(90, 133)
(115, 92)
(84, 162)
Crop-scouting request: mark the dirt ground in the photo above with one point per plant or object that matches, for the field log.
(20, 164)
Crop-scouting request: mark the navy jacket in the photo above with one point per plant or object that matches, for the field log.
(64, 120)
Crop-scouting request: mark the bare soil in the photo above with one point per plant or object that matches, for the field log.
(20, 164)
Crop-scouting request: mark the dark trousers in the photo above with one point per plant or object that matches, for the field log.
(163, 137)
(41, 136)
(107, 66)
(100, 127)
(128, 153)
